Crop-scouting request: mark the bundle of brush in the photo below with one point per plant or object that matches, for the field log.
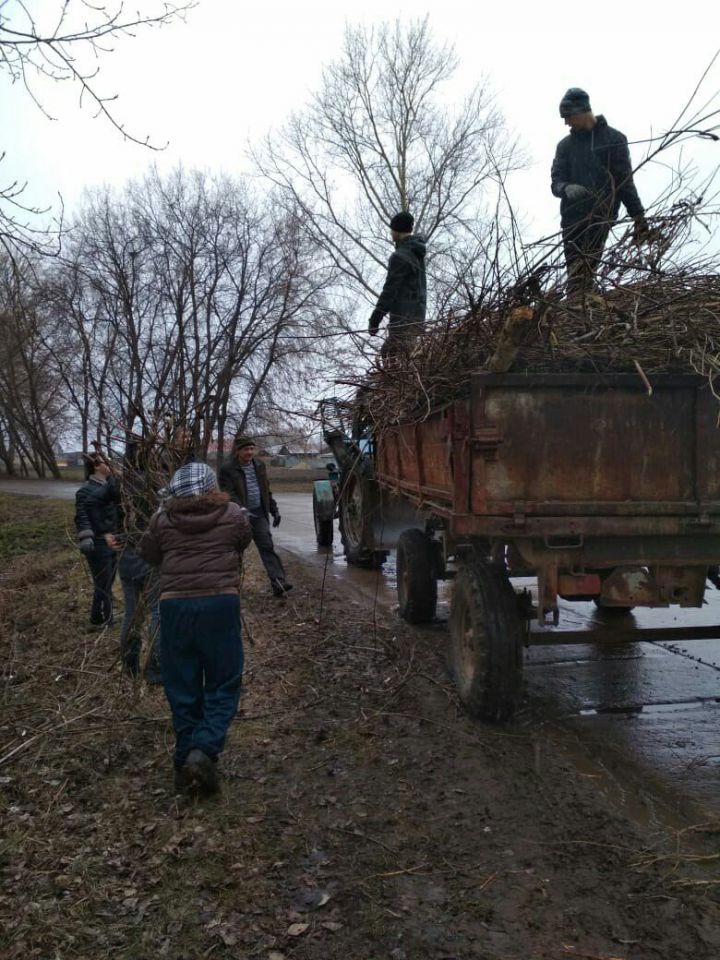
(651, 312)
(145, 466)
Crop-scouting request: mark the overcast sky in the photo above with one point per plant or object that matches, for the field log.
(233, 70)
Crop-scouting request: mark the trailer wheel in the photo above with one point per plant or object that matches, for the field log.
(323, 528)
(356, 523)
(612, 611)
(486, 641)
(416, 580)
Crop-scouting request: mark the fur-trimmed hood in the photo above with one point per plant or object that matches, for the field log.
(204, 504)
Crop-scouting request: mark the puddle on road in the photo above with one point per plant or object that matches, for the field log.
(638, 803)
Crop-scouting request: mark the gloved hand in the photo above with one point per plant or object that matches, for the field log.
(374, 323)
(276, 519)
(87, 545)
(576, 191)
(641, 230)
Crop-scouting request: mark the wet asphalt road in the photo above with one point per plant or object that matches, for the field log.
(648, 711)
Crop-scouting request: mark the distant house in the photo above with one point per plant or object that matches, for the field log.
(72, 458)
(282, 455)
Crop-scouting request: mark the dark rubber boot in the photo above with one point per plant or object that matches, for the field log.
(202, 772)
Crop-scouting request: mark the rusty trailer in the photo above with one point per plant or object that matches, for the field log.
(602, 489)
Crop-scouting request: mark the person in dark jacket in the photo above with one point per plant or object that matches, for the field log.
(98, 517)
(197, 538)
(592, 175)
(246, 480)
(404, 295)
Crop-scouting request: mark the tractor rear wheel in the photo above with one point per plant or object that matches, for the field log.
(355, 511)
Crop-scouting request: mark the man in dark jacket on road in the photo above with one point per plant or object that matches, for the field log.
(98, 517)
(404, 294)
(246, 480)
(592, 175)
(197, 538)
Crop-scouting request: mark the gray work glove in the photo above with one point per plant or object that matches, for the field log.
(641, 230)
(576, 191)
(87, 545)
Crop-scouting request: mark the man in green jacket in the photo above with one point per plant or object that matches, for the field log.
(246, 480)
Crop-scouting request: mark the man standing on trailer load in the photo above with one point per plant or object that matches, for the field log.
(592, 175)
(404, 294)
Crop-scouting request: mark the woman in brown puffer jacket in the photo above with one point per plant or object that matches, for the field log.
(197, 538)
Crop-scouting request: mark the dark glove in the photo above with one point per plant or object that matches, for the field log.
(576, 191)
(374, 324)
(87, 545)
(641, 230)
(276, 519)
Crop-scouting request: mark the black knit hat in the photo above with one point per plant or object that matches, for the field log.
(402, 222)
(574, 101)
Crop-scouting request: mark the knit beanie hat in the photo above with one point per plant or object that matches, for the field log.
(574, 101)
(402, 222)
(191, 480)
(241, 441)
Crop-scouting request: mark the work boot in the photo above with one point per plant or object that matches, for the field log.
(280, 587)
(182, 779)
(130, 669)
(202, 772)
(153, 674)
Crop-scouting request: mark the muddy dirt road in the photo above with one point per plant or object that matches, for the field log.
(648, 713)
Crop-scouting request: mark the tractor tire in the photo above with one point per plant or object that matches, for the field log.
(486, 641)
(416, 578)
(355, 512)
(324, 531)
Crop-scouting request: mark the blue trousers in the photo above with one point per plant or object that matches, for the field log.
(202, 663)
(103, 565)
(140, 586)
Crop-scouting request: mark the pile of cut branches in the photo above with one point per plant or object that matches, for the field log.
(649, 315)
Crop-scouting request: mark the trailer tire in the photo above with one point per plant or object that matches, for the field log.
(356, 522)
(416, 577)
(486, 641)
(612, 611)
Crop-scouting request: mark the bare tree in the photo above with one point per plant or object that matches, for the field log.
(189, 301)
(65, 46)
(379, 137)
(32, 415)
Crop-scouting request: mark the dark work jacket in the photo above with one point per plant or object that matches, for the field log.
(232, 479)
(598, 159)
(404, 295)
(97, 508)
